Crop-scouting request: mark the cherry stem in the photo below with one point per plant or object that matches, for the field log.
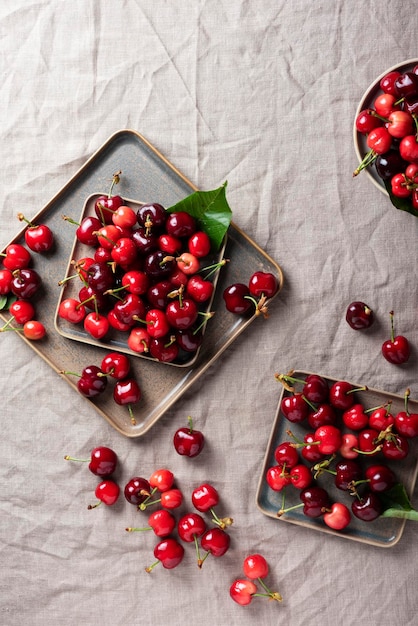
(131, 530)
(71, 458)
(94, 506)
(260, 305)
(131, 415)
(273, 595)
(386, 406)
(147, 502)
(369, 158)
(392, 326)
(206, 317)
(212, 268)
(288, 380)
(190, 422)
(199, 559)
(115, 181)
(406, 400)
(7, 324)
(282, 511)
(221, 522)
(22, 218)
(69, 219)
(151, 567)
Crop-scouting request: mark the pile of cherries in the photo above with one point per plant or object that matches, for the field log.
(93, 381)
(199, 525)
(391, 128)
(20, 281)
(145, 274)
(342, 438)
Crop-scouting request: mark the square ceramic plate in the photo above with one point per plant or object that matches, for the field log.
(114, 340)
(146, 173)
(382, 532)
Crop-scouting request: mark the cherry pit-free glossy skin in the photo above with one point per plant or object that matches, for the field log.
(359, 315)
(103, 461)
(396, 350)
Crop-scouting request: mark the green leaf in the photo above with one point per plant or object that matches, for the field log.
(211, 211)
(6, 301)
(403, 204)
(3, 302)
(397, 504)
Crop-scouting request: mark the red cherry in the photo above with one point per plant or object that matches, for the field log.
(191, 526)
(263, 284)
(171, 499)
(277, 478)
(355, 418)
(242, 591)
(367, 507)
(34, 330)
(315, 500)
(26, 282)
(107, 492)
(124, 216)
(169, 553)
(338, 516)
(286, 454)
(72, 310)
(295, 408)
(161, 479)
(106, 205)
(406, 423)
(255, 566)
(187, 441)
(236, 299)
(116, 365)
(199, 289)
(91, 383)
(180, 224)
(380, 478)
(205, 497)
(138, 340)
(342, 394)
(127, 392)
(396, 350)
(359, 315)
(329, 439)
(162, 522)
(16, 257)
(300, 476)
(381, 418)
(102, 462)
(395, 447)
(6, 277)
(137, 490)
(96, 325)
(38, 237)
(22, 311)
(182, 314)
(349, 446)
(199, 244)
(216, 542)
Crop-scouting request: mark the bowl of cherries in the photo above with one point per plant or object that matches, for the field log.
(385, 134)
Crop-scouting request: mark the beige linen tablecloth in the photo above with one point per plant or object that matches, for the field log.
(262, 95)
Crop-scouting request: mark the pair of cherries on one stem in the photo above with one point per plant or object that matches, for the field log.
(243, 591)
(103, 463)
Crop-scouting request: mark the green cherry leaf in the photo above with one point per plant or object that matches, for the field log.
(211, 211)
(403, 204)
(397, 504)
(3, 302)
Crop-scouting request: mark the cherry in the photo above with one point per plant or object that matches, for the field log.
(100, 277)
(102, 462)
(136, 282)
(169, 553)
(188, 263)
(22, 311)
(189, 339)
(162, 522)
(124, 216)
(323, 414)
(406, 423)
(164, 349)
(25, 283)
(107, 492)
(34, 330)
(315, 388)
(145, 241)
(106, 205)
(151, 216)
(300, 476)
(338, 516)
(204, 499)
(286, 454)
(263, 284)
(91, 382)
(367, 120)
(108, 236)
(406, 85)
(395, 447)
(349, 446)
(137, 490)
(389, 164)
(157, 323)
(130, 309)
(341, 394)
(138, 340)
(329, 439)
(172, 498)
(355, 418)
(116, 365)
(387, 83)
(180, 224)
(161, 479)
(367, 507)
(6, 278)
(157, 265)
(346, 474)
(310, 451)
(38, 237)
(381, 418)
(188, 441)
(255, 566)
(236, 298)
(277, 478)
(16, 257)
(181, 314)
(169, 244)
(86, 232)
(191, 526)
(408, 148)
(124, 252)
(315, 500)
(295, 408)
(72, 310)
(96, 325)
(199, 244)
(242, 591)
(158, 294)
(359, 315)
(396, 350)
(127, 392)
(368, 439)
(380, 478)
(216, 542)
(199, 289)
